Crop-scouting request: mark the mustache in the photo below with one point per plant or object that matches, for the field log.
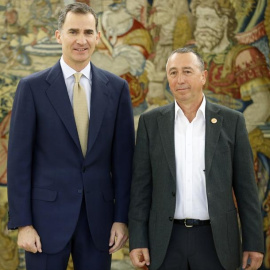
(208, 38)
(208, 31)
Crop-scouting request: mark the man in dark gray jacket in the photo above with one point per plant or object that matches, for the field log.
(190, 157)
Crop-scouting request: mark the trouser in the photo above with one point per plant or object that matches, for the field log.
(191, 249)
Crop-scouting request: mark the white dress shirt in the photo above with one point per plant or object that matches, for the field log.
(189, 139)
(86, 81)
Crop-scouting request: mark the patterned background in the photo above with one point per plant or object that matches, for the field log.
(136, 38)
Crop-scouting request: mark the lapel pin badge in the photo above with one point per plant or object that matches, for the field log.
(213, 120)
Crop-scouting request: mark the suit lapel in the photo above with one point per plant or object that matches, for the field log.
(58, 96)
(99, 103)
(166, 131)
(213, 127)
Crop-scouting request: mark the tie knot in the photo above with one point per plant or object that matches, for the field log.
(77, 76)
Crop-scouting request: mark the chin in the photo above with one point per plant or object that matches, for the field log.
(82, 59)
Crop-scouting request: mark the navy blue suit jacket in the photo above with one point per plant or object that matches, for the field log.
(47, 173)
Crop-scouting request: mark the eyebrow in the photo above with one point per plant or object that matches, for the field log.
(183, 68)
(172, 68)
(85, 30)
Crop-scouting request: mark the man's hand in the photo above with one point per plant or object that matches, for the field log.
(28, 239)
(140, 257)
(119, 236)
(255, 260)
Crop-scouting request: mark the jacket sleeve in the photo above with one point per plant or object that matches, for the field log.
(122, 154)
(246, 192)
(20, 149)
(141, 191)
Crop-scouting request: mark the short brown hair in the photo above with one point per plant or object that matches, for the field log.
(78, 8)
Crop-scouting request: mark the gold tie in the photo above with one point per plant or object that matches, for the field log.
(80, 112)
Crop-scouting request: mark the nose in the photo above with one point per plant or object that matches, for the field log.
(180, 78)
(81, 39)
(201, 21)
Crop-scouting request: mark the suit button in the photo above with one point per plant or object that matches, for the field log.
(83, 169)
(79, 190)
(170, 219)
(173, 193)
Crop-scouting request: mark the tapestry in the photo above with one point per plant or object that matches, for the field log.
(137, 36)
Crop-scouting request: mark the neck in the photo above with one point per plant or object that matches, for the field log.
(76, 66)
(190, 109)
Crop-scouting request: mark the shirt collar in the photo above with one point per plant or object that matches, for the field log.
(68, 71)
(201, 108)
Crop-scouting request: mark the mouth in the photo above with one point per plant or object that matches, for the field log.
(81, 50)
(182, 88)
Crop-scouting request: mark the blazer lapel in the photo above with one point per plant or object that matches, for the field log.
(166, 131)
(213, 127)
(99, 100)
(58, 96)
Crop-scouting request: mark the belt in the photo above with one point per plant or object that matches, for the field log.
(189, 223)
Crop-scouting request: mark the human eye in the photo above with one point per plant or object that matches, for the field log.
(72, 31)
(173, 73)
(209, 18)
(89, 32)
(187, 72)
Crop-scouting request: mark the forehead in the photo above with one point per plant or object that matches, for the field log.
(202, 11)
(80, 21)
(182, 60)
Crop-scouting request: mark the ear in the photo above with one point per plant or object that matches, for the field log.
(204, 76)
(97, 37)
(58, 36)
(225, 21)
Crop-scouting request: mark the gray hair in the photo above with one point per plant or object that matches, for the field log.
(189, 50)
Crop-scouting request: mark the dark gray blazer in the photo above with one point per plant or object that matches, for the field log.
(228, 165)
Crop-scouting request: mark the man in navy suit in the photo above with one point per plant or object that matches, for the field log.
(64, 201)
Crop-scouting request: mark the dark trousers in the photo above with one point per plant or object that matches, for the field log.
(84, 254)
(191, 249)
